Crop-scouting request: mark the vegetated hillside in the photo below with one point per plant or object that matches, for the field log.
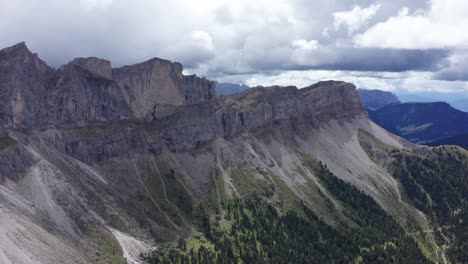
(458, 140)
(375, 99)
(421, 122)
(126, 159)
(230, 88)
(253, 230)
(436, 182)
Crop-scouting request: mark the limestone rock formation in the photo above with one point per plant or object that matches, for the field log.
(87, 90)
(79, 95)
(157, 83)
(95, 65)
(24, 81)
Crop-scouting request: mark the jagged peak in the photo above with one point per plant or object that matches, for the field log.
(16, 47)
(17, 50)
(21, 53)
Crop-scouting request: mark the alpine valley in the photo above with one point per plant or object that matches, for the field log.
(143, 164)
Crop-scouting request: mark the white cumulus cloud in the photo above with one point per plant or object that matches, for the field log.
(195, 48)
(354, 19)
(304, 44)
(442, 25)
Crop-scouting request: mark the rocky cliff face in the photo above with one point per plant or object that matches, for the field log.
(262, 109)
(95, 65)
(24, 81)
(80, 95)
(155, 84)
(88, 89)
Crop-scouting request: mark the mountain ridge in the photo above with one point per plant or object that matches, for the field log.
(143, 87)
(104, 183)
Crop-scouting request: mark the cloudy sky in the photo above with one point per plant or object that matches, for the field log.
(418, 45)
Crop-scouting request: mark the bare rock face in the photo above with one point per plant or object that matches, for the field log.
(87, 90)
(3, 131)
(24, 79)
(197, 90)
(150, 83)
(157, 83)
(262, 109)
(334, 100)
(100, 67)
(80, 95)
(286, 110)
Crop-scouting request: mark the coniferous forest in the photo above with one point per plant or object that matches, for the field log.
(437, 183)
(252, 230)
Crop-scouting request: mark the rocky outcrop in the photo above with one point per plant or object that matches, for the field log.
(287, 110)
(334, 100)
(95, 65)
(88, 90)
(157, 83)
(80, 95)
(262, 109)
(24, 81)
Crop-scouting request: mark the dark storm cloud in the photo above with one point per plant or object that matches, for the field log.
(452, 75)
(389, 60)
(457, 70)
(343, 59)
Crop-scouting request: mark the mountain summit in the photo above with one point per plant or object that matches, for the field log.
(88, 89)
(142, 164)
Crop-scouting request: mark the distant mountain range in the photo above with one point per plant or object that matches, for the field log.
(375, 99)
(457, 100)
(421, 122)
(459, 140)
(230, 88)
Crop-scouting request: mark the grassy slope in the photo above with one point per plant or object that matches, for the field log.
(258, 230)
(435, 181)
